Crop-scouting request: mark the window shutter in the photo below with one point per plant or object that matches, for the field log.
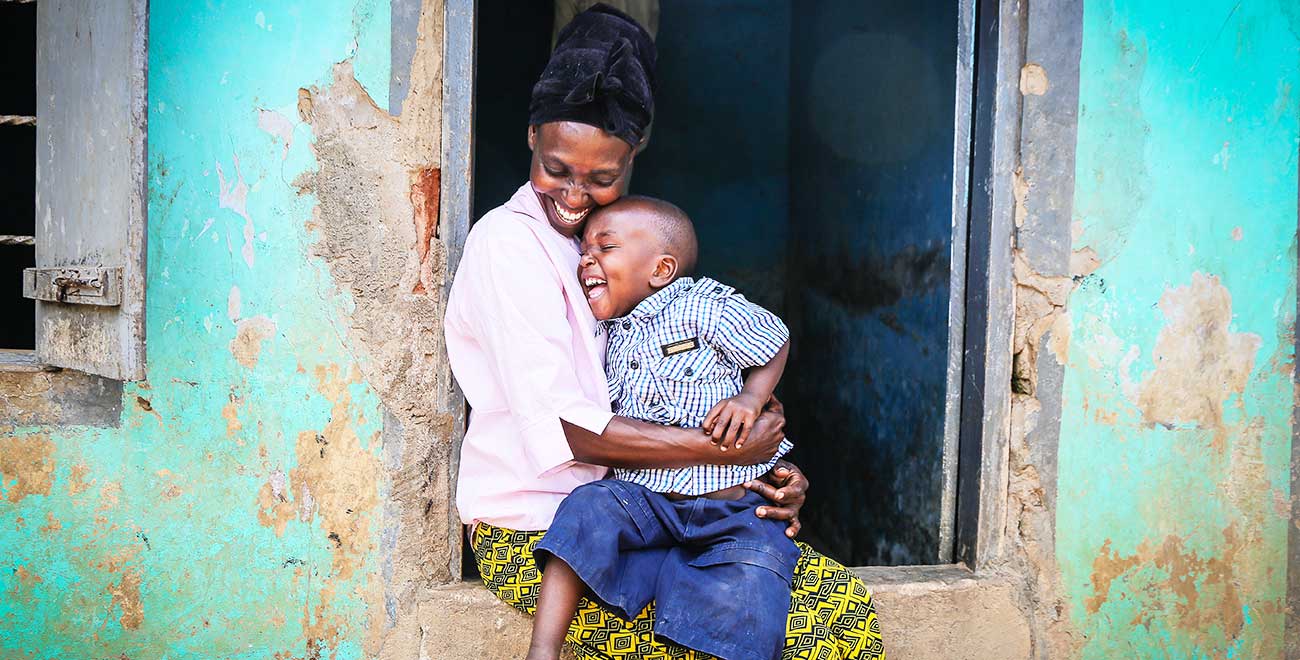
(89, 279)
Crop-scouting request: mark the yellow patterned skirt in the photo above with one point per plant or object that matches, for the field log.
(831, 613)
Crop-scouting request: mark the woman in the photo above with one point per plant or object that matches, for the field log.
(525, 350)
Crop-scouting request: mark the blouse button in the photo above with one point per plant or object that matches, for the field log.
(634, 365)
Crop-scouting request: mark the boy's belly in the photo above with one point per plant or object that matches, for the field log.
(730, 493)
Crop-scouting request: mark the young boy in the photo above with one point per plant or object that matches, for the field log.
(685, 538)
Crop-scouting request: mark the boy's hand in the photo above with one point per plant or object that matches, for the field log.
(731, 420)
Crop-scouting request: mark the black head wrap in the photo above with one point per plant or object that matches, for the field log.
(601, 73)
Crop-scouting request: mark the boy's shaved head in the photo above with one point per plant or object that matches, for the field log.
(670, 224)
(632, 248)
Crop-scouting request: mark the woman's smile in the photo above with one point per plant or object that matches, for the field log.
(566, 215)
(576, 168)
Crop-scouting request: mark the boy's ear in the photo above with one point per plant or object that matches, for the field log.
(532, 137)
(666, 266)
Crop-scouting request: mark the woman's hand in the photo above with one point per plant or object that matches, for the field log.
(785, 486)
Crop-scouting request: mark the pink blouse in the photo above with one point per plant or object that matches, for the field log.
(524, 348)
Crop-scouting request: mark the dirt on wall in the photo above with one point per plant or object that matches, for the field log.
(1200, 367)
(1040, 338)
(377, 228)
(37, 397)
(26, 466)
(1199, 361)
(1041, 324)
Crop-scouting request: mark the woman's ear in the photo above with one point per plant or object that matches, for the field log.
(666, 267)
(532, 137)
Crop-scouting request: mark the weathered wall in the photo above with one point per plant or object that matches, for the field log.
(271, 490)
(278, 486)
(1177, 337)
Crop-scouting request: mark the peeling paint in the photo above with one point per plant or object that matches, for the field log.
(379, 239)
(277, 125)
(1033, 80)
(1199, 362)
(126, 598)
(230, 413)
(426, 187)
(1040, 308)
(1020, 191)
(234, 304)
(26, 577)
(77, 483)
(26, 467)
(1206, 589)
(144, 523)
(52, 524)
(273, 507)
(247, 344)
(1176, 420)
(234, 196)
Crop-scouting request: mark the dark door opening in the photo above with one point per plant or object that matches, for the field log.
(18, 161)
(812, 143)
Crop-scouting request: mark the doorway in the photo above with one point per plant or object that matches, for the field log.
(18, 187)
(813, 144)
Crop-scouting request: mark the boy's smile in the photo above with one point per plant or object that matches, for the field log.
(595, 287)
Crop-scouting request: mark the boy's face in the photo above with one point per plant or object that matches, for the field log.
(621, 263)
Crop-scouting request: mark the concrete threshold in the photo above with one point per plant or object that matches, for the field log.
(926, 612)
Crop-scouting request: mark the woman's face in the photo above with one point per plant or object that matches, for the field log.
(576, 167)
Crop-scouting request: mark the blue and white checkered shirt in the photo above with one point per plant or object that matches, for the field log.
(678, 353)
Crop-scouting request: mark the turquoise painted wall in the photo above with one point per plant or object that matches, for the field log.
(1176, 431)
(235, 512)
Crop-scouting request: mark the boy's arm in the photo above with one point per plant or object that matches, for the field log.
(634, 444)
(761, 381)
(753, 339)
(731, 419)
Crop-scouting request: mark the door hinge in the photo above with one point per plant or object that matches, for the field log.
(74, 286)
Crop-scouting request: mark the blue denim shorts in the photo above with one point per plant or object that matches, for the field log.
(718, 574)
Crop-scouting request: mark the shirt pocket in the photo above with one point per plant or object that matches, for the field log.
(688, 385)
(698, 366)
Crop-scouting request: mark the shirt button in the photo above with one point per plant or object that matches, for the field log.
(627, 325)
(717, 289)
(634, 365)
(690, 371)
(613, 406)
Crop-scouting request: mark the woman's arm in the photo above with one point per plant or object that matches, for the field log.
(633, 444)
(512, 300)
